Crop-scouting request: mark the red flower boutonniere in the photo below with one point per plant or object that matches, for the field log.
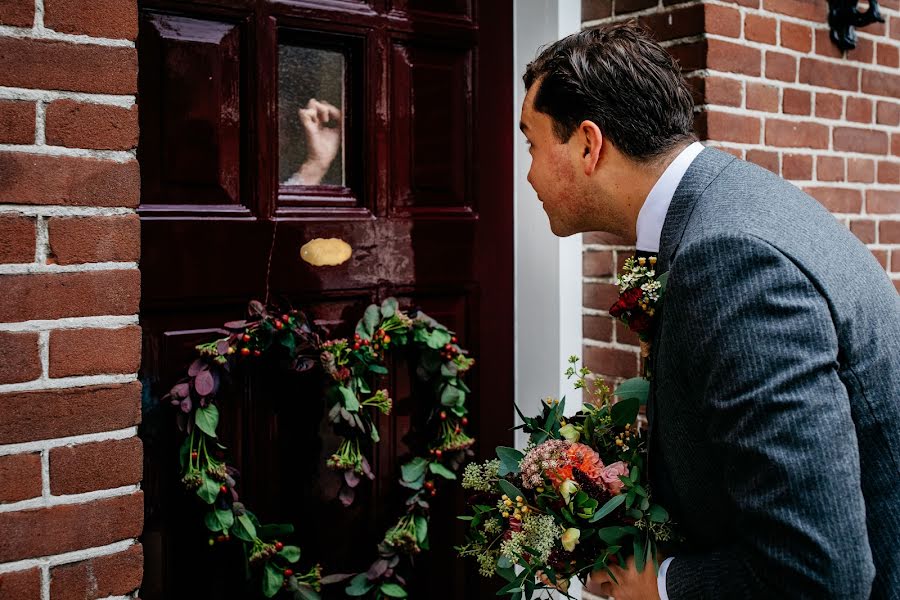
(640, 292)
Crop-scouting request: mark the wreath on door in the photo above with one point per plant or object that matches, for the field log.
(353, 367)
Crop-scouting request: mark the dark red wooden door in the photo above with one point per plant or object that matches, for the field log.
(415, 97)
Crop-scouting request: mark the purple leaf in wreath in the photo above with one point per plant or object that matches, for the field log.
(256, 308)
(377, 569)
(351, 478)
(196, 366)
(204, 383)
(222, 347)
(400, 579)
(186, 405)
(347, 416)
(346, 495)
(336, 578)
(303, 364)
(181, 390)
(236, 325)
(367, 469)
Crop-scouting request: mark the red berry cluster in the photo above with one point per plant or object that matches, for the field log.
(451, 350)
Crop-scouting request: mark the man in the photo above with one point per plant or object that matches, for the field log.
(775, 402)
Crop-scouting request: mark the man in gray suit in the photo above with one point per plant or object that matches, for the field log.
(775, 401)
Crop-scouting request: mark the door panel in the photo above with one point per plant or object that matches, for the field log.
(424, 95)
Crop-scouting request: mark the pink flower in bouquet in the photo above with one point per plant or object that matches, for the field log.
(556, 459)
(610, 476)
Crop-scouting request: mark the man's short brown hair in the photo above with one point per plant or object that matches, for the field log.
(618, 77)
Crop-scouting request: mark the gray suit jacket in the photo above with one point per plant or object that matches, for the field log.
(775, 404)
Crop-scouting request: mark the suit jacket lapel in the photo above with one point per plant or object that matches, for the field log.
(705, 168)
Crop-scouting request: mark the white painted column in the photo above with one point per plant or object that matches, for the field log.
(547, 268)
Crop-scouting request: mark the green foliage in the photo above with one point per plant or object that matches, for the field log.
(207, 419)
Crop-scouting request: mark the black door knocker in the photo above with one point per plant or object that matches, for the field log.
(843, 16)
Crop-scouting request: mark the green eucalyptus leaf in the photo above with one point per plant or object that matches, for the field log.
(504, 563)
(438, 338)
(244, 529)
(351, 403)
(209, 488)
(612, 535)
(421, 528)
(657, 514)
(640, 558)
(439, 469)
(393, 590)
(636, 387)
(414, 469)
(663, 282)
(625, 412)
(509, 460)
(509, 489)
(389, 307)
(290, 553)
(272, 580)
(218, 519)
(305, 592)
(359, 586)
(207, 419)
(452, 396)
(378, 369)
(275, 531)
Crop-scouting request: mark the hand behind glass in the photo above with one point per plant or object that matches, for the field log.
(321, 123)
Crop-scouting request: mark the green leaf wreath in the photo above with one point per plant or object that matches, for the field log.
(353, 368)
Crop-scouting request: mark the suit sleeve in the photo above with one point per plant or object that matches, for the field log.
(764, 365)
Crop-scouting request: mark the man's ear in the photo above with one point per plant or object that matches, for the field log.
(592, 141)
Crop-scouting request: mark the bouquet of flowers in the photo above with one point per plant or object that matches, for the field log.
(574, 502)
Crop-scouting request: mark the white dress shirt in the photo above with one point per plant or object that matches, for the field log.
(649, 229)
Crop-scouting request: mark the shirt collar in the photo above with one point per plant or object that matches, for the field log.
(653, 213)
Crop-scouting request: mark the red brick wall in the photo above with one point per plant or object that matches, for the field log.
(70, 461)
(770, 87)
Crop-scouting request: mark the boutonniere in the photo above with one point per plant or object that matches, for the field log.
(640, 294)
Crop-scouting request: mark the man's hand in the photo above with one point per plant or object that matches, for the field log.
(629, 584)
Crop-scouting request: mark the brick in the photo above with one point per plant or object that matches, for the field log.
(97, 18)
(597, 264)
(889, 233)
(111, 575)
(690, 57)
(611, 361)
(69, 527)
(796, 102)
(796, 37)
(82, 125)
(18, 13)
(881, 257)
(882, 202)
(895, 28)
(95, 466)
(859, 110)
(760, 29)
(895, 144)
(20, 478)
(48, 414)
(888, 113)
(726, 127)
(603, 238)
(721, 20)
(793, 134)
(20, 585)
(830, 168)
(797, 167)
(761, 96)
(736, 152)
(837, 200)
(811, 10)
(864, 230)
(599, 295)
(860, 170)
(626, 336)
(94, 351)
(678, 23)
(75, 240)
(829, 106)
(591, 10)
(597, 328)
(629, 6)
(68, 181)
(716, 90)
(881, 84)
(747, 3)
(830, 75)
(825, 47)
(887, 55)
(17, 239)
(21, 358)
(782, 67)
(864, 51)
(53, 65)
(58, 295)
(895, 262)
(860, 140)
(733, 58)
(16, 121)
(888, 172)
(766, 160)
